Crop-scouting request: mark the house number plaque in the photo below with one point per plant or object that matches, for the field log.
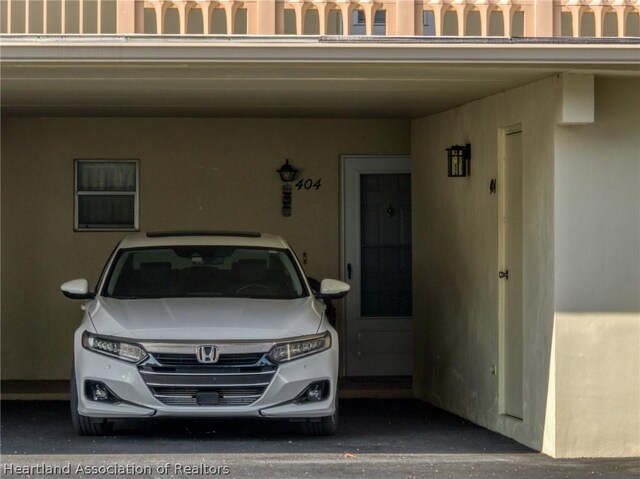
(308, 184)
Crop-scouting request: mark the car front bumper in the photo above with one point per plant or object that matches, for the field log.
(137, 400)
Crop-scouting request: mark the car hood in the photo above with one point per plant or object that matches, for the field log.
(205, 318)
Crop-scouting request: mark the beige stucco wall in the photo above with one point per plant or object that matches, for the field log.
(597, 393)
(597, 278)
(194, 174)
(456, 273)
(581, 255)
(597, 196)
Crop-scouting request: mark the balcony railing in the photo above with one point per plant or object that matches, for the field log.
(530, 18)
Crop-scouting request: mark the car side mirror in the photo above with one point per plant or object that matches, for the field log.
(333, 289)
(77, 289)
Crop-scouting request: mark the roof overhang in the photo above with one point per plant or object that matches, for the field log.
(283, 76)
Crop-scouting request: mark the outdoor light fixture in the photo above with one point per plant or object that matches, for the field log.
(287, 175)
(287, 172)
(458, 159)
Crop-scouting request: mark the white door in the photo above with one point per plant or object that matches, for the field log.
(511, 274)
(377, 265)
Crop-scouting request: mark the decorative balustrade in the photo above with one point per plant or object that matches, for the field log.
(530, 18)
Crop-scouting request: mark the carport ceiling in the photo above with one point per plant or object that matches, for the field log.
(141, 77)
(233, 90)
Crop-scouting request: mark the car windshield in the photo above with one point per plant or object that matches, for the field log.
(204, 271)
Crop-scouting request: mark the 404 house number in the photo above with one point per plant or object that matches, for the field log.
(309, 184)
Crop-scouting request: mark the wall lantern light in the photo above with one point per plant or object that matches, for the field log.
(458, 159)
(287, 172)
(287, 175)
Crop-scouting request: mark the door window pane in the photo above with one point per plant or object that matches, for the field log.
(385, 249)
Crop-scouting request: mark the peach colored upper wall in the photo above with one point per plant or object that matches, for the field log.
(194, 173)
(531, 18)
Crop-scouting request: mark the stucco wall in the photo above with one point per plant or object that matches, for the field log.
(597, 271)
(581, 255)
(194, 174)
(456, 273)
(597, 190)
(597, 393)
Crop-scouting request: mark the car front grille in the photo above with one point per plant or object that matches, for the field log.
(172, 359)
(177, 379)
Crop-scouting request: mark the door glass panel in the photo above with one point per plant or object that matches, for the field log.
(385, 249)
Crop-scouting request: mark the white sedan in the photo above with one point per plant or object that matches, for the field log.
(214, 324)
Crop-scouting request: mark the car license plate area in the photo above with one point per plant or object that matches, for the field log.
(207, 398)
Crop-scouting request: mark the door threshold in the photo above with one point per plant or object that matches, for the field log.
(376, 387)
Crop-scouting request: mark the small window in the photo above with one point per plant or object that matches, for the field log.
(428, 23)
(379, 18)
(106, 195)
(379, 22)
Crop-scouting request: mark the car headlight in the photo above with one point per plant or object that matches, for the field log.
(112, 347)
(283, 352)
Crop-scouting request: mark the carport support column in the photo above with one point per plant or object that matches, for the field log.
(267, 18)
(346, 8)
(621, 15)
(370, 10)
(485, 11)
(461, 13)
(406, 18)
(508, 20)
(544, 21)
(126, 16)
(183, 13)
(300, 7)
(323, 16)
(230, 8)
(439, 11)
(598, 15)
(207, 11)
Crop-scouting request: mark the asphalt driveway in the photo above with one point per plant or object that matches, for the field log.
(377, 438)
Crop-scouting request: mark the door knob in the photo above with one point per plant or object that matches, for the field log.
(503, 274)
(348, 270)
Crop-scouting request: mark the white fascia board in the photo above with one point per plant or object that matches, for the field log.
(136, 49)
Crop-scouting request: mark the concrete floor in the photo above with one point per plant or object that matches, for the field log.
(377, 438)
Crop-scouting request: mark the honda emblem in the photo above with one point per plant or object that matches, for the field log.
(207, 354)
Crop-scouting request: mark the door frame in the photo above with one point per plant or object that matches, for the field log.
(502, 377)
(342, 325)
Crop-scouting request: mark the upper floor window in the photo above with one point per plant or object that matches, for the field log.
(428, 23)
(106, 195)
(359, 22)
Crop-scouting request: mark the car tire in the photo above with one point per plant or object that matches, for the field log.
(84, 425)
(321, 426)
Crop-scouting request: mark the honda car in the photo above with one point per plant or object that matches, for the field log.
(204, 324)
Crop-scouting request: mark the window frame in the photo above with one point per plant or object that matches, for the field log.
(77, 193)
